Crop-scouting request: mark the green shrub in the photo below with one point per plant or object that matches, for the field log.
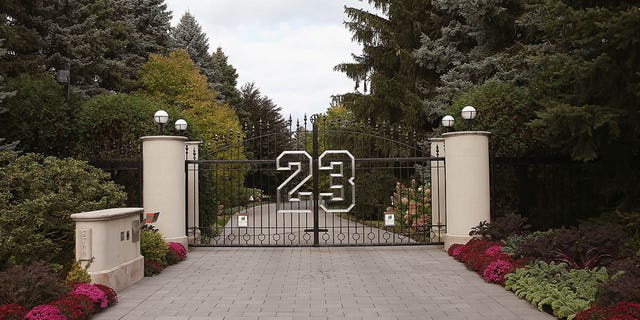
(30, 285)
(38, 194)
(152, 245)
(77, 274)
(553, 286)
(37, 115)
(110, 125)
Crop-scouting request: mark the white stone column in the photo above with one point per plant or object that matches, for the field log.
(438, 205)
(193, 209)
(163, 184)
(467, 174)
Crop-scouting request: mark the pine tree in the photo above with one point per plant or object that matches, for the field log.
(188, 35)
(3, 95)
(225, 80)
(105, 42)
(387, 66)
(262, 118)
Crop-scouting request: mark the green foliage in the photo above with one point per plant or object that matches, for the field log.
(511, 244)
(374, 190)
(110, 125)
(152, 245)
(386, 63)
(30, 285)
(188, 36)
(565, 292)
(78, 274)
(39, 121)
(38, 196)
(175, 80)
(502, 228)
(504, 110)
(105, 42)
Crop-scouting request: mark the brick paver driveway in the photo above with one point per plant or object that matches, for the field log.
(414, 282)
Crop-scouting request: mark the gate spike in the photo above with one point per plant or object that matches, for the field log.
(305, 121)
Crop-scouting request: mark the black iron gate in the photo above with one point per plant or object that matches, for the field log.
(341, 183)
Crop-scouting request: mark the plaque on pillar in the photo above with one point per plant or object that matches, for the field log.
(84, 245)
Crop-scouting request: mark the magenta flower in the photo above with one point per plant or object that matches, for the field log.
(495, 271)
(45, 312)
(493, 251)
(456, 252)
(96, 295)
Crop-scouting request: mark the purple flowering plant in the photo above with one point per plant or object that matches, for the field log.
(96, 295)
(45, 312)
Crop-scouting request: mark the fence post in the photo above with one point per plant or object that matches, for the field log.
(163, 177)
(467, 183)
(438, 194)
(193, 208)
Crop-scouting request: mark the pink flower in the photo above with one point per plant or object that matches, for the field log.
(493, 251)
(456, 252)
(495, 271)
(178, 249)
(96, 295)
(45, 312)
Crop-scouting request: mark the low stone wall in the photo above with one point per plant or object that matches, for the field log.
(109, 241)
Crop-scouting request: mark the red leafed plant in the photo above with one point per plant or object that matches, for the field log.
(96, 295)
(70, 307)
(12, 312)
(453, 248)
(112, 296)
(621, 311)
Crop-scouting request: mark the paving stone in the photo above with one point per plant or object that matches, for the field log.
(413, 282)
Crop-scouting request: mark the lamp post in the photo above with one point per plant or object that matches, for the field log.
(181, 126)
(161, 117)
(447, 122)
(64, 76)
(468, 114)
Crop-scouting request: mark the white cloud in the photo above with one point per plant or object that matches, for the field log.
(287, 47)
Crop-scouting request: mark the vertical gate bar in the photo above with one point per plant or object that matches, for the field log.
(314, 157)
(186, 195)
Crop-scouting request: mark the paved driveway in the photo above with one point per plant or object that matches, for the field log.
(412, 282)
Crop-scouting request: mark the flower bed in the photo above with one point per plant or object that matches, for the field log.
(80, 303)
(589, 272)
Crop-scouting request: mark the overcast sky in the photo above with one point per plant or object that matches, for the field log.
(287, 47)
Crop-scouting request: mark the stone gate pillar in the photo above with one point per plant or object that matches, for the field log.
(467, 174)
(438, 205)
(163, 184)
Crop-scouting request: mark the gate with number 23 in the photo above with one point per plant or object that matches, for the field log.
(341, 183)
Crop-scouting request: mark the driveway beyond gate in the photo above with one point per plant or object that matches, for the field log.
(319, 283)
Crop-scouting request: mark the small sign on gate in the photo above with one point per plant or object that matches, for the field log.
(389, 219)
(242, 220)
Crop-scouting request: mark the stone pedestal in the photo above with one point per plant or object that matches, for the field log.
(109, 242)
(467, 174)
(163, 174)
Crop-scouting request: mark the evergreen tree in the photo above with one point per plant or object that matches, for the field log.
(462, 52)
(387, 66)
(225, 80)
(264, 119)
(3, 95)
(104, 42)
(188, 36)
